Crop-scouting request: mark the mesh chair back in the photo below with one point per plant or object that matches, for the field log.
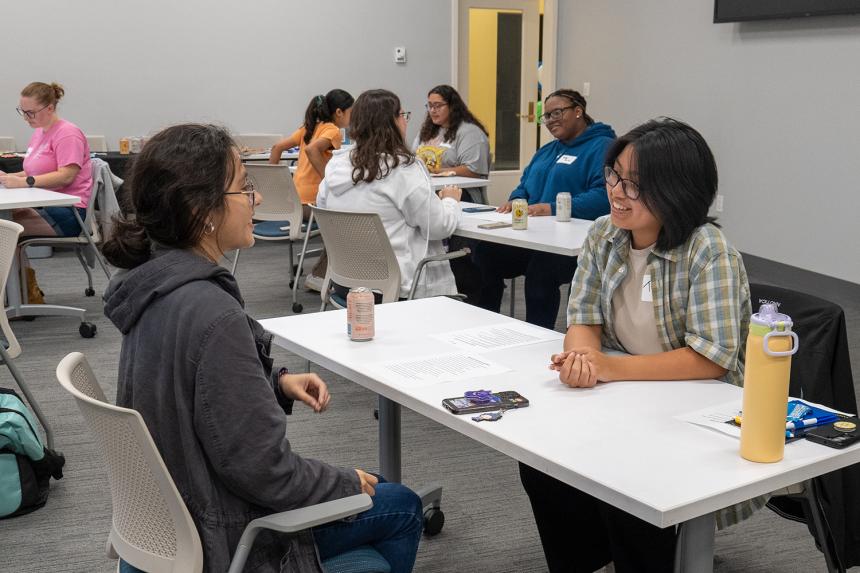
(97, 143)
(9, 233)
(152, 529)
(7, 144)
(257, 140)
(280, 200)
(359, 252)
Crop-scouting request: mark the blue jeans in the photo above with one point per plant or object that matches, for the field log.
(63, 220)
(393, 527)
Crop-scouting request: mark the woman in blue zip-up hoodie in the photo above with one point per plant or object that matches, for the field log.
(572, 163)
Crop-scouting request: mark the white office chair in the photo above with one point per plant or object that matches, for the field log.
(151, 528)
(7, 144)
(262, 141)
(360, 255)
(97, 143)
(9, 348)
(280, 213)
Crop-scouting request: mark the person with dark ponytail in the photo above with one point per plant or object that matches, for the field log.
(318, 136)
(198, 368)
(452, 141)
(573, 163)
(58, 158)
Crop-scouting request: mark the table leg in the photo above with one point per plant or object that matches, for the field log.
(389, 439)
(695, 550)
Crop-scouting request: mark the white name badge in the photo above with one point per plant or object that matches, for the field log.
(445, 145)
(566, 159)
(646, 288)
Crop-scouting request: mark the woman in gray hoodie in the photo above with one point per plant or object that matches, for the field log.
(198, 370)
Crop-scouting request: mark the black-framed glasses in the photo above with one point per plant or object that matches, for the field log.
(435, 106)
(630, 188)
(30, 114)
(555, 114)
(249, 189)
(406, 115)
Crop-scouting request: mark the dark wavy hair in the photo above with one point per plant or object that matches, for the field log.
(379, 145)
(458, 113)
(177, 184)
(322, 108)
(575, 98)
(677, 176)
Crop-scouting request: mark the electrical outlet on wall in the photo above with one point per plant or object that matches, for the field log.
(586, 88)
(400, 55)
(718, 204)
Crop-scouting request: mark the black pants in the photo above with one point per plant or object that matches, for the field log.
(545, 273)
(581, 534)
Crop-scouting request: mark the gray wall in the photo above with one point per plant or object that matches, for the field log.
(132, 67)
(778, 101)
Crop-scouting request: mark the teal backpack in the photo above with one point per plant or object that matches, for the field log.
(26, 466)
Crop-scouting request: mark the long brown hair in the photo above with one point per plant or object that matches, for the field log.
(458, 113)
(379, 145)
(322, 108)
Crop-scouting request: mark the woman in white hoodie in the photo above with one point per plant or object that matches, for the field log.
(380, 175)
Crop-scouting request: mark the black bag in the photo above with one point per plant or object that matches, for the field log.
(26, 466)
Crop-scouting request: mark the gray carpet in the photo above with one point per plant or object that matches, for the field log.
(488, 522)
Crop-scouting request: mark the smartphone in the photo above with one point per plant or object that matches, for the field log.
(484, 209)
(505, 401)
(496, 225)
(828, 435)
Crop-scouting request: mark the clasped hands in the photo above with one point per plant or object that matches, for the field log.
(582, 367)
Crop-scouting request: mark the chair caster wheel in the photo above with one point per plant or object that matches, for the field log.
(434, 519)
(297, 307)
(376, 413)
(89, 292)
(291, 284)
(87, 329)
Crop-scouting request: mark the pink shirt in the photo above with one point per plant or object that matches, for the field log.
(63, 144)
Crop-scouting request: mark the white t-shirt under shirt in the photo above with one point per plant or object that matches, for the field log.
(633, 307)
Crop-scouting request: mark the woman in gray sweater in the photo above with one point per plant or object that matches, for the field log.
(198, 370)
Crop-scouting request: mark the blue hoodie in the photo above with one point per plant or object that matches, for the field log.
(574, 166)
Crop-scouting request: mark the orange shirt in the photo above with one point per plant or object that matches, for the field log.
(306, 178)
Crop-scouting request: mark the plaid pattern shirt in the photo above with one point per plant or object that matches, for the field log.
(701, 300)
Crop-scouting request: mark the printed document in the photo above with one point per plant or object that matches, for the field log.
(438, 368)
(490, 338)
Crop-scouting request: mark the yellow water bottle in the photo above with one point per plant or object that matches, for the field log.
(770, 344)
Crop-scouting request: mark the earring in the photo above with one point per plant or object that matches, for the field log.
(209, 228)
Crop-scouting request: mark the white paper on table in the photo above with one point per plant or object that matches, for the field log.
(489, 338)
(448, 367)
(715, 418)
(488, 216)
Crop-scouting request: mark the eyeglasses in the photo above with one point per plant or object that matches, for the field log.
(249, 190)
(630, 188)
(436, 106)
(405, 114)
(555, 114)
(29, 114)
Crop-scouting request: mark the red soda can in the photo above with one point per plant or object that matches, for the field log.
(359, 314)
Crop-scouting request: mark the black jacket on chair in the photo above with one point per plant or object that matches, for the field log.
(821, 372)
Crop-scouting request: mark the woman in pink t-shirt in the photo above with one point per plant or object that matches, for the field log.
(58, 158)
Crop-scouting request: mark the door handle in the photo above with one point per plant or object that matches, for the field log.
(530, 116)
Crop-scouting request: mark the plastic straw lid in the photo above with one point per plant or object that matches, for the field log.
(769, 317)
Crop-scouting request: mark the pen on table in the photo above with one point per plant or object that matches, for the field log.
(790, 425)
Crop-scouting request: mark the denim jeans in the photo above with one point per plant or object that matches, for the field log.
(63, 220)
(392, 526)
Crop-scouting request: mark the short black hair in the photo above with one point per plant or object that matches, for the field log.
(677, 176)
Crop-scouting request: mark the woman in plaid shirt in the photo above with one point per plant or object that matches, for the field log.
(658, 280)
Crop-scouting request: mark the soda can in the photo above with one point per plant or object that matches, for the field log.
(520, 215)
(359, 314)
(123, 146)
(562, 206)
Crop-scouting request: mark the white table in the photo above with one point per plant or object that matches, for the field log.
(543, 233)
(618, 442)
(461, 182)
(264, 156)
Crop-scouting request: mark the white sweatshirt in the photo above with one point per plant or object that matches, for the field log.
(414, 217)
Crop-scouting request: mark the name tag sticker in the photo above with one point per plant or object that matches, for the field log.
(646, 288)
(445, 145)
(566, 159)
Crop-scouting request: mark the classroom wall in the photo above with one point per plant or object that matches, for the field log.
(132, 67)
(778, 101)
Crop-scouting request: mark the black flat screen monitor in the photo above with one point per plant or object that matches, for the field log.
(745, 10)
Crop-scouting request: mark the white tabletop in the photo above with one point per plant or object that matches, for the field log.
(617, 441)
(461, 182)
(543, 233)
(264, 156)
(34, 197)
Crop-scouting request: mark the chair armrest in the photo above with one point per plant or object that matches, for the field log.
(303, 518)
(423, 262)
(297, 520)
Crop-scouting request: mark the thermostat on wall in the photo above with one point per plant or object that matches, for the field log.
(400, 55)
